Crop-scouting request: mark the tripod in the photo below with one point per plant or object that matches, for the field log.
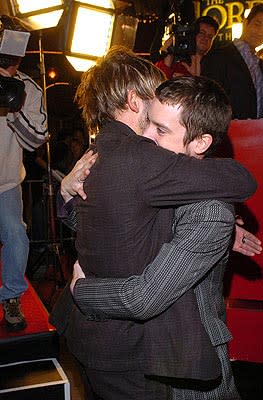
(52, 246)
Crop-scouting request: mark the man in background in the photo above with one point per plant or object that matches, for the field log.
(206, 29)
(23, 128)
(239, 70)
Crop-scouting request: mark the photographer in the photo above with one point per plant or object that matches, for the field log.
(172, 65)
(21, 127)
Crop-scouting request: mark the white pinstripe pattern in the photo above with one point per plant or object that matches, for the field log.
(225, 391)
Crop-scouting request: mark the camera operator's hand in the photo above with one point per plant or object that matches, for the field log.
(195, 67)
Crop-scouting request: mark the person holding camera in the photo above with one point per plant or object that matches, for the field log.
(172, 65)
(22, 127)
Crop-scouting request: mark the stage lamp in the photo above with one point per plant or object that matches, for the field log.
(52, 73)
(88, 32)
(38, 14)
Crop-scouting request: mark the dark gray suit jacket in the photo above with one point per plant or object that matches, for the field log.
(121, 227)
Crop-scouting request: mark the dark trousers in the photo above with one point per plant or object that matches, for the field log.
(122, 385)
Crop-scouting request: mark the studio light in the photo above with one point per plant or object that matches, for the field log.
(88, 25)
(38, 14)
(88, 32)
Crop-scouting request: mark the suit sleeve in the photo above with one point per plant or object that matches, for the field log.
(202, 237)
(170, 179)
(66, 211)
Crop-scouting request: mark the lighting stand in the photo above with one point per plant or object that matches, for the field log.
(52, 245)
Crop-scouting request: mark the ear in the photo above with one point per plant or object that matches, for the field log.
(201, 144)
(133, 101)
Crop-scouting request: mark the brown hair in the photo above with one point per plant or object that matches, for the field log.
(257, 9)
(205, 108)
(103, 88)
(206, 19)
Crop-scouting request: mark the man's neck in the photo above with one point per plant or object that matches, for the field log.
(130, 119)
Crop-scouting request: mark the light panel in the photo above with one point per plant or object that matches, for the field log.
(92, 34)
(100, 3)
(29, 6)
(89, 32)
(38, 14)
(88, 28)
(80, 64)
(44, 21)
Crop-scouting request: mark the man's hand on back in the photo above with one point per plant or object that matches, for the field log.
(72, 184)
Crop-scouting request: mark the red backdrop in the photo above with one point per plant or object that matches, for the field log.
(243, 281)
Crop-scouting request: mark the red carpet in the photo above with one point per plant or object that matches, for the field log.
(35, 314)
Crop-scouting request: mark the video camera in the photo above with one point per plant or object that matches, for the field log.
(12, 93)
(184, 43)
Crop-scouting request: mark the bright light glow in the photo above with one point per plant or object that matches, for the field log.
(44, 17)
(100, 3)
(93, 31)
(52, 73)
(166, 35)
(259, 48)
(80, 64)
(44, 21)
(27, 6)
(237, 27)
(246, 12)
(237, 30)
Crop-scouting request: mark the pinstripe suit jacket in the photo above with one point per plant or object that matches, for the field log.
(195, 258)
(121, 227)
